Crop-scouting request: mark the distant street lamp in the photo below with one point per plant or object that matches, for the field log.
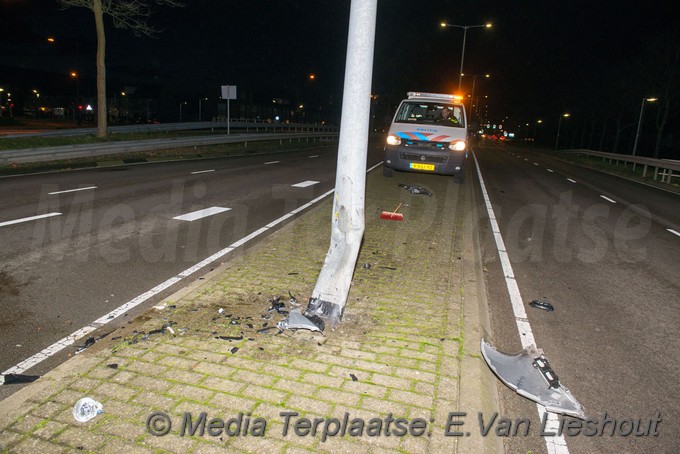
(559, 123)
(637, 134)
(538, 122)
(472, 94)
(200, 107)
(462, 55)
(180, 110)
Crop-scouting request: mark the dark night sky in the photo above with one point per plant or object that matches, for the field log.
(541, 55)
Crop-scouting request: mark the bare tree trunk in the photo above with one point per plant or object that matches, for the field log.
(101, 68)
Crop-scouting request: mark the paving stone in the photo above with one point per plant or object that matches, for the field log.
(191, 392)
(33, 445)
(79, 438)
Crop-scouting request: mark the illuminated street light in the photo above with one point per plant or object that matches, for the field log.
(462, 55)
(637, 134)
(472, 94)
(180, 110)
(200, 107)
(559, 123)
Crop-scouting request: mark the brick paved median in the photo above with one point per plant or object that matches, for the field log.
(407, 348)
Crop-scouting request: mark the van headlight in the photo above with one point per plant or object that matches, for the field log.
(458, 145)
(393, 140)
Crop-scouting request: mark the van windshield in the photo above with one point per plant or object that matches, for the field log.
(430, 112)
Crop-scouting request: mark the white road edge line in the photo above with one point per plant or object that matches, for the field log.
(674, 232)
(202, 171)
(569, 179)
(72, 190)
(200, 214)
(608, 199)
(550, 170)
(314, 156)
(556, 444)
(32, 218)
(271, 162)
(55, 348)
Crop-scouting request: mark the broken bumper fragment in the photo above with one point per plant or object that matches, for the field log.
(530, 375)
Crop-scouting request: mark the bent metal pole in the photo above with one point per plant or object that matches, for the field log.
(347, 219)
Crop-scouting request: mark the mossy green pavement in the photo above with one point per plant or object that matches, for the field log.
(408, 345)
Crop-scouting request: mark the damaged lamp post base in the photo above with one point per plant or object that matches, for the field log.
(529, 374)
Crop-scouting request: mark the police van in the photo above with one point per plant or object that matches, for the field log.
(428, 134)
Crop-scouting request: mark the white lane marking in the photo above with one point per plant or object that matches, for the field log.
(314, 156)
(194, 215)
(70, 339)
(72, 190)
(569, 179)
(32, 218)
(608, 199)
(525, 159)
(202, 171)
(73, 337)
(674, 232)
(556, 444)
(550, 170)
(271, 162)
(305, 184)
(535, 163)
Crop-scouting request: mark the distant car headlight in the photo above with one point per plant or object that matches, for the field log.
(458, 145)
(393, 140)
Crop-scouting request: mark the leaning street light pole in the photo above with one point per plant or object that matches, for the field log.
(347, 218)
(462, 54)
(642, 109)
(559, 123)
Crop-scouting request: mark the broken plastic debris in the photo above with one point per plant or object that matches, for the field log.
(530, 375)
(277, 305)
(220, 310)
(16, 379)
(546, 306)
(230, 338)
(86, 409)
(415, 189)
(234, 350)
(296, 320)
(112, 366)
(354, 377)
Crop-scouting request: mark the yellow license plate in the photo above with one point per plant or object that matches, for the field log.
(419, 166)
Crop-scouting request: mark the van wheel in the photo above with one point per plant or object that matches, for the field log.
(387, 172)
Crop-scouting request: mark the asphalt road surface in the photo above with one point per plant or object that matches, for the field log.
(111, 234)
(605, 252)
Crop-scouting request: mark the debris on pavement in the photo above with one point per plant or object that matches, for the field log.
(546, 306)
(86, 409)
(296, 320)
(354, 377)
(529, 374)
(415, 189)
(17, 379)
(112, 366)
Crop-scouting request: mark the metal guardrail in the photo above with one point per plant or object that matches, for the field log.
(662, 167)
(216, 124)
(44, 154)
